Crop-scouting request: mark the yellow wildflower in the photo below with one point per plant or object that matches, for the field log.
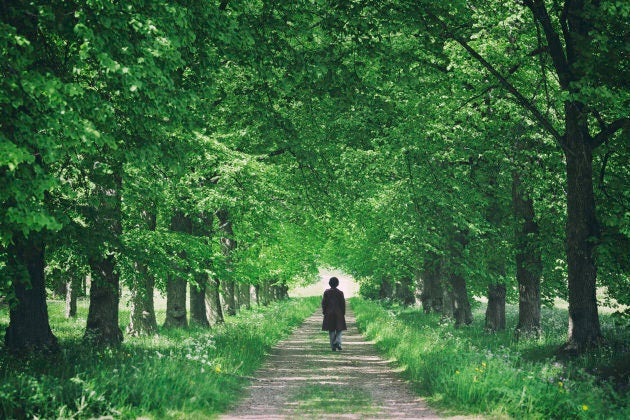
(217, 369)
(584, 407)
(483, 364)
(457, 372)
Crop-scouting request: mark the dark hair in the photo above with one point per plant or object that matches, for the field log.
(333, 282)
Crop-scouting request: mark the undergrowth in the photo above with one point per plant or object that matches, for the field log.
(470, 371)
(182, 373)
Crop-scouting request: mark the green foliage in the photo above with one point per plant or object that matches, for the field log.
(471, 371)
(189, 373)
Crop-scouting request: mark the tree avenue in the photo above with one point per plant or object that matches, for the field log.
(222, 150)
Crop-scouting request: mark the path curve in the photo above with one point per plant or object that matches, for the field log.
(303, 378)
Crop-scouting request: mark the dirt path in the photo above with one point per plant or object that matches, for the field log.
(303, 378)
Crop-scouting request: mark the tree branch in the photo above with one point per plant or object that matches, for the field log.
(609, 130)
(524, 102)
(510, 88)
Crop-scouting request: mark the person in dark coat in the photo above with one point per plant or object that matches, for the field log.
(334, 310)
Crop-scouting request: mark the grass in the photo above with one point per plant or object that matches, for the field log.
(182, 373)
(468, 371)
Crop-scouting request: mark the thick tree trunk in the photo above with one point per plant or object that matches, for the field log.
(229, 297)
(528, 261)
(102, 327)
(228, 244)
(214, 311)
(142, 319)
(432, 295)
(198, 315)
(72, 290)
(462, 311)
(264, 296)
(28, 328)
(582, 231)
(175, 303)
(495, 312)
(244, 296)
(176, 316)
(386, 290)
(448, 303)
(404, 291)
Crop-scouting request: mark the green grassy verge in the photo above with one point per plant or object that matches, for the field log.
(191, 373)
(469, 371)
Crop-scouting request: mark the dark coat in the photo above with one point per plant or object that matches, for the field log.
(334, 310)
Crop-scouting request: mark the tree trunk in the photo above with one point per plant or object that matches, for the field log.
(213, 303)
(176, 285)
(495, 312)
(228, 244)
(245, 295)
(102, 321)
(432, 295)
(102, 327)
(72, 290)
(528, 261)
(29, 328)
(229, 295)
(461, 304)
(404, 291)
(198, 315)
(386, 290)
(448, 302)
(142, 319)
(582, 232)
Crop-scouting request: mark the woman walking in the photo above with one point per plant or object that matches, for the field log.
(334, 310)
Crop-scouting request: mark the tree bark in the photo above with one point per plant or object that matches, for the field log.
(29, 328)
(72, 290)
(244, 295)
(495, 312)
(198, 315)
(528, 261)
(432, 295)
(102, 327)
(228, 244)
(176, 315)
(462, 311)
(214, 311)
(582, 231)
(404, 291)
(142, 319)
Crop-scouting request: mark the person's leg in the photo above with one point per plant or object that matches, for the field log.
(333, 339)
(338, 339)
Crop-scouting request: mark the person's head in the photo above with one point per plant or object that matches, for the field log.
(333, 282)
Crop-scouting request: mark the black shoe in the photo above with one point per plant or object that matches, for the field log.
(339, 348)
(334, 349)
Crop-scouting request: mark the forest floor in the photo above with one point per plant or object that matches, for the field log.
(303, 378)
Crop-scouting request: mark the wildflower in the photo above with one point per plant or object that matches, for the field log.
(457, 372)
(584, 407)
(560, 384)
(217, 369)
(483, 364)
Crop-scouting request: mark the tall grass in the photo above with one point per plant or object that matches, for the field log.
(469, 371)
(190, 373)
